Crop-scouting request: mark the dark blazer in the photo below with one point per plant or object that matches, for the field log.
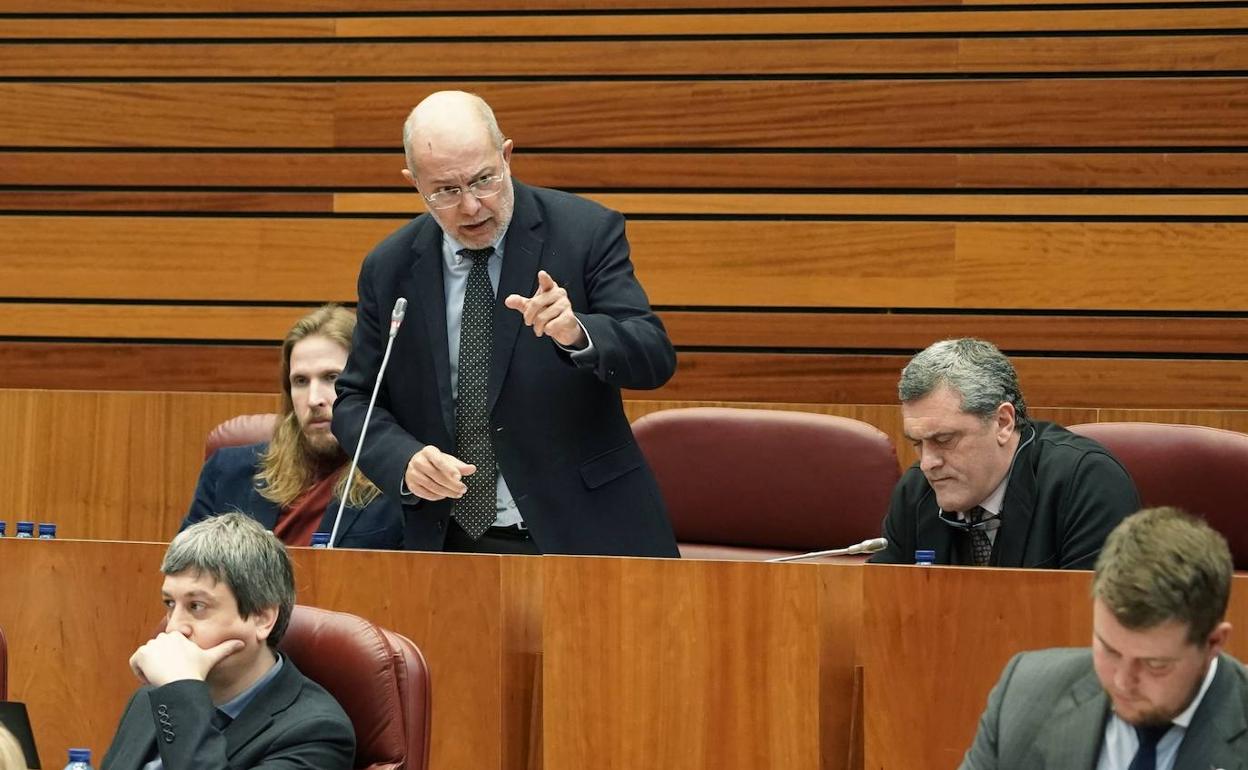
(291, 723)
(1048, 712)
(1065, 494)
(227, 483)
(561, 438)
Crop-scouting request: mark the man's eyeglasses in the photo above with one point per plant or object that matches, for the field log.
(485, 187)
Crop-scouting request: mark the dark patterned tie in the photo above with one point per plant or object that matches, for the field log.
(473, 444)
(1146, 754)
(981, 546)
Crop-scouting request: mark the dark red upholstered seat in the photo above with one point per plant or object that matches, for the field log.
(758, 483)
(379, 677)
(240, 431)
(1192, 467)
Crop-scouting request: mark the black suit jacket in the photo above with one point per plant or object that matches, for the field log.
(227, 483)
(561, 438)
(1065, 494)
(291, 723)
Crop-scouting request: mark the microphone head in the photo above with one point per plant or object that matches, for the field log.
(874, 545)
(400, 309)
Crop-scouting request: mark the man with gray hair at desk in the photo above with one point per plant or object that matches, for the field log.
(993, 487)
(216, 692)
(1156, 691)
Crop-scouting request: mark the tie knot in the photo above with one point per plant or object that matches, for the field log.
(1149, 735)
(476, 254)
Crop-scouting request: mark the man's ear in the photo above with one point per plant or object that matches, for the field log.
(1218, 639)
(1004, 422)
(407, 174)
(264, 619)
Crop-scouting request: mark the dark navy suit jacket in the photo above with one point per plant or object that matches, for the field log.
(561, 438)
(227, 483)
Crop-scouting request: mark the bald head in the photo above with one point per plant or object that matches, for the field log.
(448, 122)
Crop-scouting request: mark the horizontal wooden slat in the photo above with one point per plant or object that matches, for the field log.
(617, 25)
(774, 377)
(156, 322)
(726, 329)
(631, 58)
(580, 170)
(396, 6)
(1047, 112)
(861, 204)
(970, 265)
(914, 331)
(678, 204)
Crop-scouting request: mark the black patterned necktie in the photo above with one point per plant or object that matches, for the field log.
(1146, 754)
(981, 546)
(475, 511)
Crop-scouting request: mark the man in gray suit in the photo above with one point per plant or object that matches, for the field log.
(1155, 691)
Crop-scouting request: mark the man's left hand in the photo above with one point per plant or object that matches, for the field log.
(550, 313)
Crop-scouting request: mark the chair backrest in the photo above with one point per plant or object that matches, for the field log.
(379, 678)
(1192, 467)
(240, 431)
(756, 483)
(4, 667)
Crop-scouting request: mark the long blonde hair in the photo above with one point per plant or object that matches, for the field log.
(11, 756)
(287, 467)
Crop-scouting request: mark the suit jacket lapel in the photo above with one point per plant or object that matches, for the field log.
(1018, 508)
(349, 515)
(258, 715)
(1072, 735)
(521, 259)
(431, 298)
(1218, 722)
(263, 509)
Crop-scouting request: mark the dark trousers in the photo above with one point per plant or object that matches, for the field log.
(509, 540)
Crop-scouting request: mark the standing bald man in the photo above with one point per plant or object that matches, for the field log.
(499, 420)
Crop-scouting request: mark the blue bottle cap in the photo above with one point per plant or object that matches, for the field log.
(924, 556)
(47, 530)
(320, 539)
(80, 755)
(27, 527)
(3, 526)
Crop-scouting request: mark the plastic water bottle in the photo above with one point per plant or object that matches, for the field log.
(925, 558)
(47, 531)
(320, 539)
(79, 759)
(25, 529)
(3, 526)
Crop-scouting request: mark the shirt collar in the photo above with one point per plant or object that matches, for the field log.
(235, 706)
(452, 247)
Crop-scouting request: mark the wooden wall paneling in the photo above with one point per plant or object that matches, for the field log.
(796, 170)
(125, 366)
(547, 58)
(1076, 265)
(1044, 112)
(1226, 419)
(389, 6)
(474, 618)
(675, 664)
(173, 322)
(73, 614)
(119, 466)
(924, 692)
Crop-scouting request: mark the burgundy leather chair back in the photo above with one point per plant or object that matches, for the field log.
(378, 677)
(1192, 467)
(757, 483)
(240, 431)
(4, 667)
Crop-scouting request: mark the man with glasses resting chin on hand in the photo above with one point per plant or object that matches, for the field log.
(497, 437)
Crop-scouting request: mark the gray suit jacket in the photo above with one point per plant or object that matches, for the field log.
(1048, 712)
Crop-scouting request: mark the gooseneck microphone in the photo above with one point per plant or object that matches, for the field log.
(396, 319)
(866, 546)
